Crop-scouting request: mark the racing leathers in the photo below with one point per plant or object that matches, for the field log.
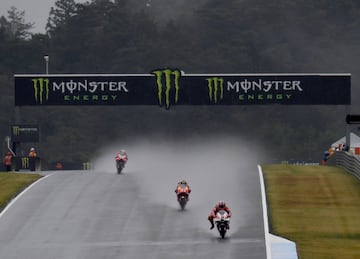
(122, 155)
(221, 205)
(181, 188)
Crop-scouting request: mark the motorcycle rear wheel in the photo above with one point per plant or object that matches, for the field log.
(119, 167)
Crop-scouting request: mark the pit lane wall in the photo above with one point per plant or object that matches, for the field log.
(276, 247)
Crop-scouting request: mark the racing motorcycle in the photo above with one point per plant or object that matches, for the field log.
(222, 222)
(182, 193)
(120, 160)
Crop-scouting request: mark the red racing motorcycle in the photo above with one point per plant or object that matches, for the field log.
(120, 159)
(182, 193)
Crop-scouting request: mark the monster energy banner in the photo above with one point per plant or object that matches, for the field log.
(167, 87)
(25, 133)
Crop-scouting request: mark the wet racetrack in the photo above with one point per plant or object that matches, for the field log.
(99, 214)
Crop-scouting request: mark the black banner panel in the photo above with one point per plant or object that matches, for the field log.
(173, 87)
(25, 133)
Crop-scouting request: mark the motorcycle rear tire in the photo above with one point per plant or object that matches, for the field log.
(222, 234)
(119, 167)
(182, 205)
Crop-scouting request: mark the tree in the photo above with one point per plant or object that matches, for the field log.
(16, 26)
(60, 14)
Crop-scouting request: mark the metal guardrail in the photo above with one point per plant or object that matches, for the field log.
(347, 160)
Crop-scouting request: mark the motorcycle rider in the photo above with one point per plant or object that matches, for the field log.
(221, 205)
(180, 185)
(122, 155)
(121, 159)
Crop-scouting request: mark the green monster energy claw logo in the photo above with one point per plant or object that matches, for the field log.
(171, 77)
(86, 166)
(25, 162)
(41, 89)
(215, 85)
(16, 130)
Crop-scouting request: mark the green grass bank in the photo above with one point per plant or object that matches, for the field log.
(318, 207)
(11, 184)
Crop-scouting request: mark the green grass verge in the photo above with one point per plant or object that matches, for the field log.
(318, 207)
(11, 184)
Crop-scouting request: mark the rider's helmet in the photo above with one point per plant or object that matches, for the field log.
(183, 182)
(32, 149)
(122, 152)
(222, 204)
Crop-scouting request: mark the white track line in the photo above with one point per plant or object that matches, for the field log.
(265, 216)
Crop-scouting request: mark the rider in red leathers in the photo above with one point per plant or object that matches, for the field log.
(182, 186)
(120, 160)
(121, 155)
(221, 205)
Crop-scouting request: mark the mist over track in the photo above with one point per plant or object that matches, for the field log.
(99, 214)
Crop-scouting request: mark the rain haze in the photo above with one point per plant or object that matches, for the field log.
(215, 168)
(99, 214)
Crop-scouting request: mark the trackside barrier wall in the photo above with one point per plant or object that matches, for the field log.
(346, 160)
(26, 163)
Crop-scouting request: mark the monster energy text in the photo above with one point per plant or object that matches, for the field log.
(92, 86)
(94, 97)
(265, 97)
(263, 90)
(171, 77)
(246, 86)
(76, 89)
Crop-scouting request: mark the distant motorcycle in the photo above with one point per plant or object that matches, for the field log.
(222, 222)
(182, 193)
(120, 160)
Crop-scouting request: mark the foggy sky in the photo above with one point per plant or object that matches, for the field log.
(36, 11)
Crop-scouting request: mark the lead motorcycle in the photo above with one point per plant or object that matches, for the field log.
(222, 222)
(120, 161)
(182, 193)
